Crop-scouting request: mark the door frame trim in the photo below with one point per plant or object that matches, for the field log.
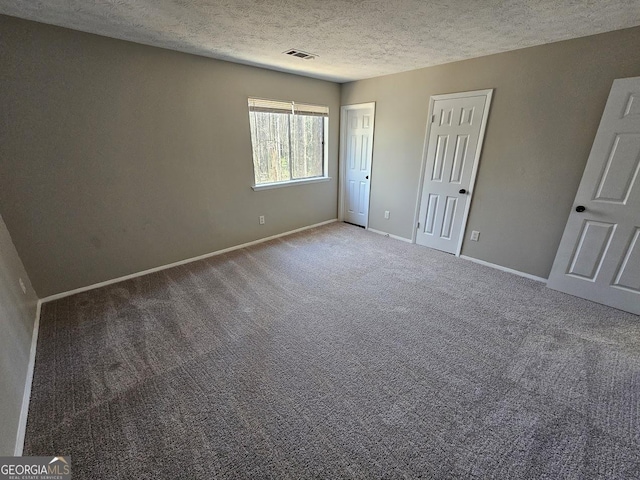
(343, 145)
(488, 94)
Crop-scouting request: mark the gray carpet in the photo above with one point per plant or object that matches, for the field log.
(336, 353)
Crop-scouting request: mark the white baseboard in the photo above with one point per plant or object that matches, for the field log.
(390, 235)
(505, 269)
(26, 397)
(58, 296)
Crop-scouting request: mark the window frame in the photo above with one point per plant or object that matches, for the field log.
(325, 142)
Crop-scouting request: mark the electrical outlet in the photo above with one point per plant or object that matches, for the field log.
(475, 236)
(22, 286)
(386, 214)
(261, 219)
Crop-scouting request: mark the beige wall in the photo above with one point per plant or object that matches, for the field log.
(546, 107)
(117, 157)
(17, 316)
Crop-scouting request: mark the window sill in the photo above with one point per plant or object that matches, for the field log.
(268, 186)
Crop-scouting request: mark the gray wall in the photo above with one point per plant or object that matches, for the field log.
(117, 157)
(17, 316)
(547, 104)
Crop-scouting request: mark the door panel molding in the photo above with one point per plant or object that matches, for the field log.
(448, 118)
(599, 254)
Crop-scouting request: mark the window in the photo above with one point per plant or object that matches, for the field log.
(288, 141)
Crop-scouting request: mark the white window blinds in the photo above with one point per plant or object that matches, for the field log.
(275, 106)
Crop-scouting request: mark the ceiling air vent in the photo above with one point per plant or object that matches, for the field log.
(300, 54)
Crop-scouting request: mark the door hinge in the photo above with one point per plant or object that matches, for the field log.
(433, 118)
(418, 225)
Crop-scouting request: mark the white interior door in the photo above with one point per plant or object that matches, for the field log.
(599, 254)
(357, 153)
(452, 151)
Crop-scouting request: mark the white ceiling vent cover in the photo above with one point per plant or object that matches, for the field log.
(300, 54)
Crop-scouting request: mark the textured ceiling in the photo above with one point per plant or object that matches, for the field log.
(354, 39)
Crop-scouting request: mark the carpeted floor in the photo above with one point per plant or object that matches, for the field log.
(336, 353)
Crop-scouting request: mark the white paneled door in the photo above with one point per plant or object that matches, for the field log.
(599, 254)
(357, 135)
(452, 152)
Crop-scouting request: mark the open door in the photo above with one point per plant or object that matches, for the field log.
(599, 254)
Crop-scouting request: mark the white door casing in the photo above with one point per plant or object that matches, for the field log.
(599, 254)
(356, 154)
(453, 143)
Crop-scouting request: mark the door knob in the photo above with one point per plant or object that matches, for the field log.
(462, 191)
(580, 209)
(367, 177)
